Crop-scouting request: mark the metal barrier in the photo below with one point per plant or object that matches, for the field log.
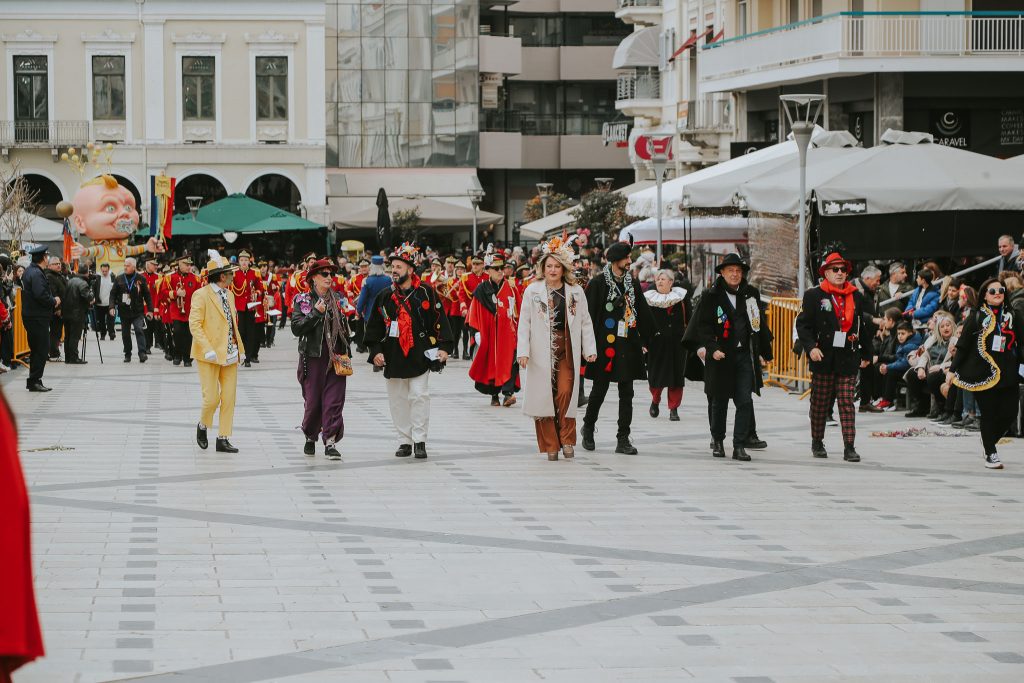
(20, 335)
(787, 371)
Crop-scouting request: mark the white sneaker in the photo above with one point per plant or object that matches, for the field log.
(993, 462)
(4, 368)
(831, 422)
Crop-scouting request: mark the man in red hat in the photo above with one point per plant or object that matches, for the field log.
(831, 332)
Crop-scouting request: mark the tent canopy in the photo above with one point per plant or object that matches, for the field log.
(241, 214)
(686, 230)
(538, 229)
(38, 229)
(638, 49)
(433, 214)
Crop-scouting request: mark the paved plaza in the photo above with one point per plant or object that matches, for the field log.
(485, 563)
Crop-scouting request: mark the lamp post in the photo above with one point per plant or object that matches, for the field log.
(659, 161)
(544, 191)
(475, 197)
(802, 112)
(193, 205)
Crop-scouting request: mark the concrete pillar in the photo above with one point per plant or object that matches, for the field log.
(888, 103)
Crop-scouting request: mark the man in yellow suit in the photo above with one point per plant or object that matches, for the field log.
(217, 347)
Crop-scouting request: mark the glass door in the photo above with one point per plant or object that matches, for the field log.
(31, 105)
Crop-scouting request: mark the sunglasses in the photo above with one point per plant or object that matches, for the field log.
(837, 269)
(996, 290)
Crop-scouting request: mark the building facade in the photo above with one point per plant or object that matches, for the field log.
(215, 94)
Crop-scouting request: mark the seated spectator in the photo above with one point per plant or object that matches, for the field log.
(1014, 291)
(968, 302)
(950, 298)
(928, 369)
(907, 340)
(896, 285)
(883, 352)
(937, 273)
(924, 300)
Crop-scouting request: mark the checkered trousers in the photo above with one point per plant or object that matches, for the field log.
(827, 388)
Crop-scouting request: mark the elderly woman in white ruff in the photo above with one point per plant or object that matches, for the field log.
(555, 331)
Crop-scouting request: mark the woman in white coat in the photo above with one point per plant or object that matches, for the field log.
(555, 331)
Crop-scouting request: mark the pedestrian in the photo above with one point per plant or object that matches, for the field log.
(986, 362)
(623, 328)
(101, 289)
(248, 290)
(729, 331)
(494, 314)
(77, 303)
(831, 332)
(182, 287)
(7, 299)
(468, 283)
(373, 284)
(408, 336)
(218, 348)
(131, 302)
(37, 306)
(555, 331)
(666, 358)
(325, 360)
(154, 333)
(58, 286)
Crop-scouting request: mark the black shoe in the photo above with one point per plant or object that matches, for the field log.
(168, 356)
(850, 454)
(77, 361)
(404, 451)
(224, 446)
(738, 453)
(465, 356)
(655, 410)
(309, 448)
(673, 415)
(582, 401)
(916, 413)
(127, 358)
(625, 447)
(247, 363)
(332, 452)
(143, 357)
(177, 363)
(188, 363)
(957, 422)
(818, 449)
(255, 360)
(755, 443)
(420, 450)
(201, 439)
(717, 449)
(38, 387)
(934, 413)
(587, 438)
(495, 401)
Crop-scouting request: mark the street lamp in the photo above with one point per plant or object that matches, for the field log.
(193, 205)
(544, 190)
(475, 197)
(604, 184)
(659, 161)
(802, 112)
(230, 237)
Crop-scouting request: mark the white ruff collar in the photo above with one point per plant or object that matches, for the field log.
(659, 300)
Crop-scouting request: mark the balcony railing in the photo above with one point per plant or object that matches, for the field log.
(43, 133)
(493, 121)
(640, 84)
(865, 34)
(707, 115)
(623, 4)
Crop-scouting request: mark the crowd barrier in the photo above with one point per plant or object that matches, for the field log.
(20, 336)
(787, 370)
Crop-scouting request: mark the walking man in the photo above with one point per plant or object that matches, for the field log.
(218, 348)
(183, 285)
(37, 306)
(101, 289)
(408, 335)
(75, 307)
(58, 286)
(832, 333)
(130, 300)
(248, 291)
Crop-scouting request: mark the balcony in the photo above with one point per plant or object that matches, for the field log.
(706, 116)
(43, 134)
(638, 93)
(864, 42)
(501, 55)
(639, 12)
(496, 121)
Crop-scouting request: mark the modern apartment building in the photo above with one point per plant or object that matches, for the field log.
(213, 93)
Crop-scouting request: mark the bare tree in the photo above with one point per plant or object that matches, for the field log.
(17, 205)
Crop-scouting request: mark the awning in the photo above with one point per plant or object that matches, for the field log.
(237, 213)
(698, 230)
(433, 214)
(38, 229)
(638, 49)
(540, 228)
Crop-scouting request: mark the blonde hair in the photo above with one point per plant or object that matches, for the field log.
(568, 276)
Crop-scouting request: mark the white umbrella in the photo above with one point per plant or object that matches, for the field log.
(686, 230)
(38, 229)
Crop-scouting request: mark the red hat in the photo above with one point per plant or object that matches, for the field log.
(832, 259)
(321, 264)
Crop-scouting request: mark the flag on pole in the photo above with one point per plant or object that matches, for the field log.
(68, 240)
(161, 208)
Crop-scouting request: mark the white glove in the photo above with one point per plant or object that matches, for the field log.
(210, 355)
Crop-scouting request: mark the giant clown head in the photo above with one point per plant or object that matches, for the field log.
(104, 210)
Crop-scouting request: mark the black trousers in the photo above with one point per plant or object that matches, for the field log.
(151, 335)
(998, 413)
(7, 347)
(247, 330)
(56, 329)
(167, 335)
(509, 387)
(457, 323)
(467, 339)
(73, 330)
(867, 385)
(358, 330)
(742, 398)
(103, 320)
(597, 393)
(921, 390)
(271, 332)
(182, 340)
(38, 332)
(138, 326)
(258, 333)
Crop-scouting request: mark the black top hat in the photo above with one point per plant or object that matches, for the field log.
(732, 259)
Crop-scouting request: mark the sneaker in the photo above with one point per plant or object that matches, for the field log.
(993, 462)
(887, 406)
(868, 408)
(958, 423)
(830, 421)
(4, 368)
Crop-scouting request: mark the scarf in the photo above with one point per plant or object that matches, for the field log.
(405, 340)
(843, 298)
(613, 288)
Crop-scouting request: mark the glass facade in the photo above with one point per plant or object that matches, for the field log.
(552, 108)
(402, 83)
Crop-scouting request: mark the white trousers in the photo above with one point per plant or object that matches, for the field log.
(410, 407)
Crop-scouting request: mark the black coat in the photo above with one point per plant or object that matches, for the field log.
(36, 298)
(666, 357)
(308, 325)
(77, 301)
(707, 330)
(430, 329)
(58, 284)
(968, 365)
(138, 292)
(622, 358)
(816, 327)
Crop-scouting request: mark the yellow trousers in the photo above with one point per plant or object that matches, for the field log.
(218, 384)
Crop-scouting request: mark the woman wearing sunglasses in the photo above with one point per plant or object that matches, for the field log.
(986, 362)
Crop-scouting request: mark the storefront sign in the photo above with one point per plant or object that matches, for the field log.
(616, 133)
(846, 207)
(1011, 127)
(643, 145)
(951, 127)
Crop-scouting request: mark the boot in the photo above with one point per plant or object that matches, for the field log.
(201, 439)
(127, 358)
(309, 448)
(850, 454)
(755, 443)
(420, 450)
(188, 362)
(625, 447)
(224, 446)
(404, 451)
(738, 453)
(673, 415)
(38, 387)
(587, 438)
(717, 449)
(934, 413)
(143, 357)
(552, 457)
(818, 449)
(655, 409)
(509, 401)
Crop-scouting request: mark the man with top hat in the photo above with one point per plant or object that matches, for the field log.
(408, 336)
(623, 327)
(248, 291)
(37, 306)
(831, 332)
(182, 285)
(729, 331)
(467, 285)
(218, 348)
(494, 314)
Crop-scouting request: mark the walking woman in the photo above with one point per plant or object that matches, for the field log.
(555, 330)
(666, 359)
(986, 362)
(324, 358)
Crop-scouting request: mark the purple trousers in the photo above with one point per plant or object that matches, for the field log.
(324, 395)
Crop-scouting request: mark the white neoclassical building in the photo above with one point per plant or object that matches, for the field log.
(225, 95)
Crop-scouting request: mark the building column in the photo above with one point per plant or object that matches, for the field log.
(316, 131)
(153, 82)
(888, 103)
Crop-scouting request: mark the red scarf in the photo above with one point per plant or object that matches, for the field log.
(404, 319)
(844, 307)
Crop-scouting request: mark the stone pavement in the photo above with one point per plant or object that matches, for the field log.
(160, 562)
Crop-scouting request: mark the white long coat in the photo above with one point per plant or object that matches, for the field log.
(535, 343)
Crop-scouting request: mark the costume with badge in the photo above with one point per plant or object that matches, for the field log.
(831, 320)
(248, 290)
(467, 286)
(179, 294)
(494, 314)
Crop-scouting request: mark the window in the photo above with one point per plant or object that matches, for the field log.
(794, 11)
(108, 87)
(741, 17)
(30, 96)
(198, 89)
(272, 88)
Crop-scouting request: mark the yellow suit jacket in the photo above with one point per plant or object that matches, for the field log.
(209, 326)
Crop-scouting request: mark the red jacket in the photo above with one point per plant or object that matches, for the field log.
(247, 289)
(181, 306)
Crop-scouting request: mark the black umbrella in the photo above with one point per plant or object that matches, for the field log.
(383, 220)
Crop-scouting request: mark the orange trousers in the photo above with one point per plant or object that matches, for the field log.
(555, 432)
